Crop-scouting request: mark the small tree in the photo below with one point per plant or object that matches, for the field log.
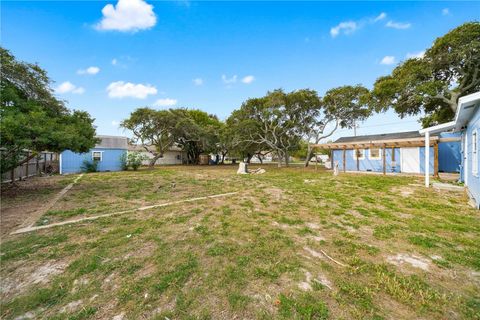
(153, 129)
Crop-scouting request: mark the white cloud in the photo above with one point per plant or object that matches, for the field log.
(398, 25)
(445, 12)
(346, 27)
(121, 89)
(381, 16)
(115, 123)
(68, 87)
(198, 81)
(167, 102)
(248, 79)
(89, 70)
(127, 15)
(114, 62)
(416, 55)
(229, 80)
(387, 60)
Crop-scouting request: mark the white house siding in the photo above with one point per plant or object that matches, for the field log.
(169, 158)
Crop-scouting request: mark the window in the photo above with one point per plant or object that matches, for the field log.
(475, 152)
(178, 157)
(375, 154)
(97, 155)
(359, 154)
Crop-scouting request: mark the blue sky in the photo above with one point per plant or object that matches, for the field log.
(109, 57)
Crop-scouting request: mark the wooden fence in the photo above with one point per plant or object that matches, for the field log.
(44, 163)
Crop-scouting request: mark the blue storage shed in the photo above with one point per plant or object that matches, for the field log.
(107, 153)
(396, 152)
(467, 125)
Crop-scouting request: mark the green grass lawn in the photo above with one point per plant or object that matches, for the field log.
(395, 249)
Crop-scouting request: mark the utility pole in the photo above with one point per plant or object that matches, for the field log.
(354, 128)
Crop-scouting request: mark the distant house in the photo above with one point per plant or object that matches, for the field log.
(174, 155)
(467, 124)
(396, 152)
(107, 153)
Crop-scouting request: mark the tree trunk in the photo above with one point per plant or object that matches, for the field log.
(280, 159)
(260, 158)
(223, 157)
(287, 160)
(249, 157)
(157, 156)
(309, 156)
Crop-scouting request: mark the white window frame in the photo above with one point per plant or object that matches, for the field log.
(375, 158)
(101, 155)
(362, 157)
(475, 152)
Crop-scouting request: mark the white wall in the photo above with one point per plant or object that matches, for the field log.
(169, 157)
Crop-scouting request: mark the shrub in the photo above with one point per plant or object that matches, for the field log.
(89, 166)
(134, 160)
(123, 161)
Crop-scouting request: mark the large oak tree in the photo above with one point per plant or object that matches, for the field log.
(433, 83)
(32, 119)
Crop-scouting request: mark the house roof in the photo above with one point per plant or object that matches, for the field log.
(112, 142)
(381, 136)
(138, 147)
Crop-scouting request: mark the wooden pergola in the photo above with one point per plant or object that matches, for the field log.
(384, 145)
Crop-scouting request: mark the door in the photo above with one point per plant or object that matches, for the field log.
(410, 160)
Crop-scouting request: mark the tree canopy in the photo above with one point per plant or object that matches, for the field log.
(432, 84)
(33, 119)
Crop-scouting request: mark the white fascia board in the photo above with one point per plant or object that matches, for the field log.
(438, 128)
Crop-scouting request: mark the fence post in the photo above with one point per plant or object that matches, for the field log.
(28, 164)
(37, 166)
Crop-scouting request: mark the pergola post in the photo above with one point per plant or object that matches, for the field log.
(358, 161)
(427, 159)
(344, 160)
(435, 159)
(384, 159)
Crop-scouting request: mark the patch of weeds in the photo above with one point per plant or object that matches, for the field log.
(178, 276)
(42, 297)
(289, 221)
(220, 249)
(85, 264)
(27, 245)
(411, 290)
(226, 210)
(304, 231)
(238, 301)
(305, 306)
(363, 211)
(423, 241)
(357, 294)
(202, 230)
(384, 231)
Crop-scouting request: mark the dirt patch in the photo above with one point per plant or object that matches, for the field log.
(412, 260)
(26, 276)
(275, 193)
(404, 191)
(22, 200)
(307, 284)
(146, 250)
(72, 306)
(313, 252)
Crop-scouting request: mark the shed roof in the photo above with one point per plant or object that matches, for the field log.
(381, 136)
(112, 142)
